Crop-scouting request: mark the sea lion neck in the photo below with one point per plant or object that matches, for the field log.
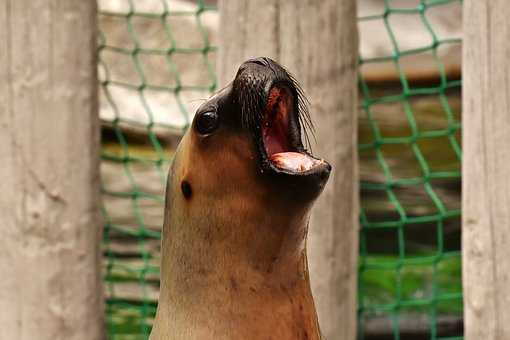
(233, 265)
(250, 225)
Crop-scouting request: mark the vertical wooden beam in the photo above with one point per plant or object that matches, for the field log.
(486, 169)
(318, 42)
(50, 286)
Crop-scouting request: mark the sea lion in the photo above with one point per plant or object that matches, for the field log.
(239, 195)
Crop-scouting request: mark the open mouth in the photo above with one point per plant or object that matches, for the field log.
(281, 134)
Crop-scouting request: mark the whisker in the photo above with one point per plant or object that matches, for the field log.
(304, 117)
(196, 100)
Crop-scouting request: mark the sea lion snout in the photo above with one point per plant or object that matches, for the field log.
(275, 110)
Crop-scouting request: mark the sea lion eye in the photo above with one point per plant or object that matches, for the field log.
(207, 122)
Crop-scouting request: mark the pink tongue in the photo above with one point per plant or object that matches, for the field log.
(293, 161)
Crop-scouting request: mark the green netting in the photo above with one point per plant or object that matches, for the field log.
(409, 267)
(156, 58)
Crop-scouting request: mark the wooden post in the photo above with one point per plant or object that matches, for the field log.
(486, 169)
(318, 42)
(50, 286)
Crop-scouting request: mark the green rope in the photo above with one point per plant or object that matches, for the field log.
(399, 280)
(129, 71)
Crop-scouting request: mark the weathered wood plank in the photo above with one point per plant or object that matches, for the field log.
(486, 165)
(318, 42)
(49, 248)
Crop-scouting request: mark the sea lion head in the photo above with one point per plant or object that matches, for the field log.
(242, 183)
(248, 138)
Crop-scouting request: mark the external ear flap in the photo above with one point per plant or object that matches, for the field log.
(186, 189)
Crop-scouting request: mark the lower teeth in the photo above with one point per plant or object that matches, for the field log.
(293, 161)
